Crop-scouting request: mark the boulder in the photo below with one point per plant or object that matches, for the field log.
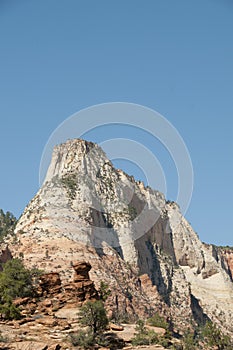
(116, 327)
(81, 269)
(49, 283)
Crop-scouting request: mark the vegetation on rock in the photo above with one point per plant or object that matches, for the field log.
(70, 183)
(208, 336)
(15, 282)
(144, 336)
(7, 224)
(158, 321)
(104, 291)
(93, 315)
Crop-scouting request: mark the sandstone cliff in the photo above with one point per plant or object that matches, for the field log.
(88, 210)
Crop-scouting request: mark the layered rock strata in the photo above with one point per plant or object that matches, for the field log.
(88, 210)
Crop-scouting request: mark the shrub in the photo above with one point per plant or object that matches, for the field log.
(104, 291)
(15, 281)
(213, 336)
(93, 315)
(7, 224)
(158, 321)
(208, 335)
(84, 339)
(122, 317)
(8, 310)
(189, 341)
(69, 182)
(144, 336)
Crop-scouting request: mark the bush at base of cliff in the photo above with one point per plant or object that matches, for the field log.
(144, 336)
(189, 341)
(158, 321)
(208, 336)
(213, 337)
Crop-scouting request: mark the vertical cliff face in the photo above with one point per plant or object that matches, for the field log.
(117, 221)
(225, 256)
(228, 255)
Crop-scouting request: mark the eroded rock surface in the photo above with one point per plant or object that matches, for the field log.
(88, 210)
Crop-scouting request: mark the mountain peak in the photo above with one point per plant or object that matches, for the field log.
(88, 210)
(69, 157)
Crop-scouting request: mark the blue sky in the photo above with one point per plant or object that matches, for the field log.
(57, 57)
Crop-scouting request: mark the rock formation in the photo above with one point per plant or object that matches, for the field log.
(226, 255)
(5, 255)
(134, 239)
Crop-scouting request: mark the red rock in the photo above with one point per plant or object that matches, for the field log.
(47, 321)
(50, 283)
(25, 320)
(116, 327)
(82, 269)
(21, 301)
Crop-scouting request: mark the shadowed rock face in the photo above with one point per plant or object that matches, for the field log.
(49, 283)
(226, 256)
(87, 210)
(5, 255)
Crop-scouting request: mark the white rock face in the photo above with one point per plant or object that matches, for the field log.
(85, 199)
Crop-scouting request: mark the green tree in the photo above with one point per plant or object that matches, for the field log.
(8, 310)
(15, 281)
(144, 336)
(158, 321)
(213, 336)
(93, 315)
(83, 339)
(189, 341)
(7, 224)
(104, 291)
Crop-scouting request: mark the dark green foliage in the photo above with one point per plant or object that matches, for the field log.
(93, 315)
(213, 336)
(132, 212)
(87, 340)
(8, 310)
(70, 183)
(144, 336)
(209, 336)
(84, 339)
(189, 341)
(15, 281)
(158, 321)
(104, 291)
(7, 224)
(121, 317)
(110, 341)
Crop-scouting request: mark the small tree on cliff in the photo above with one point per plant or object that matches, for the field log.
(93, 315)
(104, 291)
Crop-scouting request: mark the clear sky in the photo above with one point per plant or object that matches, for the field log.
(57, 57)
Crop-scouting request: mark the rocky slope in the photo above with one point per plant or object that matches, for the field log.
(134, 239)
